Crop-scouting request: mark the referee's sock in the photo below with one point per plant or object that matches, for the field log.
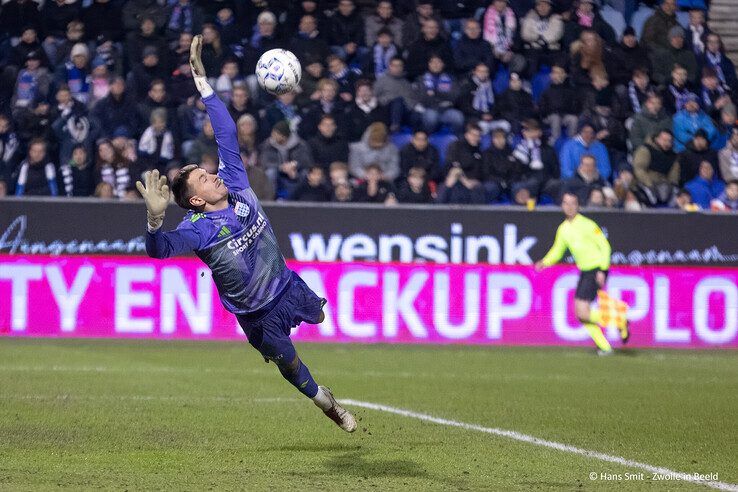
(599, 338)
(594, 316)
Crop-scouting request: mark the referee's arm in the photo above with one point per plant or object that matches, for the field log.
(556, 252)
(603, 245)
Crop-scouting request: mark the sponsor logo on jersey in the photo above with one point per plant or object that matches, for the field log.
(224, 231)
(241, 209)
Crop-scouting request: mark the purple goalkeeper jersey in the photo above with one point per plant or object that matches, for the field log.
(237, 243)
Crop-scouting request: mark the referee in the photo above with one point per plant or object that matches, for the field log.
(591, 251)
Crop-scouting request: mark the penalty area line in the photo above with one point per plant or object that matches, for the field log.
(518, 436)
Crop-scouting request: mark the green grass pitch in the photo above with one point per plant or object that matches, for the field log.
(132, 415)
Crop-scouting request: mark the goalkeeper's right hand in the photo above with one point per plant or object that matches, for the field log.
(156, 195)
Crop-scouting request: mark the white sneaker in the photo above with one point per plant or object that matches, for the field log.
(342, 417)
(605, 353)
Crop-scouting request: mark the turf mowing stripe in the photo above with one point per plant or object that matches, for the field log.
(685, 477)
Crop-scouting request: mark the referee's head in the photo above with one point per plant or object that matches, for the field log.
(569, 204)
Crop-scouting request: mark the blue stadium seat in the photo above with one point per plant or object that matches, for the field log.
(540, 82)
(614, 18)
(639, 18)
(692, 4)
(486, 141)
(683, 18)
(401, 139)
(440, 141)
(502, 79)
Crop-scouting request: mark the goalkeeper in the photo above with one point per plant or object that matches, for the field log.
(591, 251)
(227, 228)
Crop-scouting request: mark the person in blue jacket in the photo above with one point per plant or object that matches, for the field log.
(706, 186)
(586, 142)
(688, 121)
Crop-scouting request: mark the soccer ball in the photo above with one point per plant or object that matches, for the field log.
(278, 71)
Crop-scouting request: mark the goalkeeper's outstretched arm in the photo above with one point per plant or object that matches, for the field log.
(231, 167)
(163, 244)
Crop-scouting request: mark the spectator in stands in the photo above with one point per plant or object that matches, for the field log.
(134, 11)
(375, 188)
(585, 15)
(230, 77)
(374, 148)
(146, 37)
(264, 38)
(714, 57)
(77, 174)
(697, 32)
(204, 144)
(36, 173)
(191, 117)
(500, 31)
(414, 188)
(714, 96)
(690, 119)
(116, 110)
(587, 58)
(284, 153)
(34, 122)
(541, 31)
(384, 18)
(338, 171)
(364, 111)
(9, 149)
(472, 50)
(381, 54)
(464, 169)
(75, 73)
(501, 169)
(677, 92)
(394, 91)
(313, 188)
(698, 150)
(73, 126)
(308, 43)
(327, 146)
(728, 158)
(109, 54)
(664, 59)
(609, 130)
(585, 180)
(438, 92)
(232, 32)
(632, 97)
(413, 22)
(327, 104)
(104, 190)
(33, 82)
(656, 170)
(241, 104)
(247, 130)
(157, 98)
(584, 143)
(477, 99)
(657, 27)
(514, 105)
(312, 74)
(342, 192)
(539, 164)
(28, 43)
(55, 17)
(346, 32)
(143, 74)
(345, 77)
(431, 44)
(705, 186)
(103, 18)
(724, 126)
(560, 105)
(283, 109)
(60, 50)
(626, 58)
(112, 168)
(728, 199)
(157, 145)
(183, 16)
(258, 179)
(419, 153)
(99, 82)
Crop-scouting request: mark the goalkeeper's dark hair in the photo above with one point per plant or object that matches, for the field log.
(180, 189)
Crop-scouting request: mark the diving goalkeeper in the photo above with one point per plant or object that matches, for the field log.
(591, 251)
(227, 228)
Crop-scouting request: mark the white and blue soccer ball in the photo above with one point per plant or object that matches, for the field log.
(278, 71)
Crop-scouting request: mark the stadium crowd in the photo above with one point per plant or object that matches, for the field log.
(629, 105)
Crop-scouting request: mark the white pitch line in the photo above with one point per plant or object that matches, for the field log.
(685, 477)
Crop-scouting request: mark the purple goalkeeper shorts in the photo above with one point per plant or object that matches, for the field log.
(269, 330)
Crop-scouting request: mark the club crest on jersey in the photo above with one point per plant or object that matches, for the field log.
(241, 209)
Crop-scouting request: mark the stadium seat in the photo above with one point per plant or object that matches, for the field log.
(692, 4)
(683, 19)
(639, 19)
(401, 139)
(502, 79)
(615, 19)
(440, 141)
(540, 82)
(486, 141)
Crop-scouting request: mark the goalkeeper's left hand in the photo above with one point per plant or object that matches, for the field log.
(156, 195)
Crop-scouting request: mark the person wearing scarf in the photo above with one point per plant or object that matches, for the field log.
(714, 57)
(36, 174)
(500, 27)
(477, 98)
(438, 93)
(728, 158)
(364, 111)
(157, 143)
(382, 53)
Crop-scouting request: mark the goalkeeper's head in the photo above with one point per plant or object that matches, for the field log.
(196, 189)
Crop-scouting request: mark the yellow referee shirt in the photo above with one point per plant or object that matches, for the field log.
(584, 240)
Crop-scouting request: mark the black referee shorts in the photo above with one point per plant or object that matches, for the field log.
(587, 286)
